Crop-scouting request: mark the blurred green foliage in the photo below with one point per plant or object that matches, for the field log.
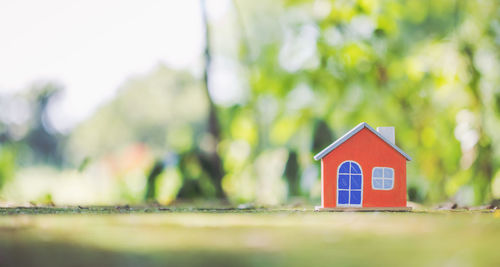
(289, 77)
(426, 67)
(7, 164)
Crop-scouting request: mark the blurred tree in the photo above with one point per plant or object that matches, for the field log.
(25, 127)
(323, 136)
(388, 63)
(154, 173)
(210, 159)
(43, 141)
(305, 72)
(292, 173)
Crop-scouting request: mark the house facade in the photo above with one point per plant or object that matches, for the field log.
(363, 169)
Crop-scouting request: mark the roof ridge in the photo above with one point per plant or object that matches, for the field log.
(352, 132)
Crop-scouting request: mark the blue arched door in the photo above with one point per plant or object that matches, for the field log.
(349, 184)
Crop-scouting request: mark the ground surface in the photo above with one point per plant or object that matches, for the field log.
(154, 236)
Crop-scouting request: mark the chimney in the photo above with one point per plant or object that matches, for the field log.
(387, 133)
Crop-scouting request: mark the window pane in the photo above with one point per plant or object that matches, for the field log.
(388, 173)
(344, 181)
(343, 197)
(344, 168)
(355, 181)
(377, 183)
(377, 172)
(387, 183)
(355, 168)
(355, 197)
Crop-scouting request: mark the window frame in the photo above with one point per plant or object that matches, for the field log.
(383, 178)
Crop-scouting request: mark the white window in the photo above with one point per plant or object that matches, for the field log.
(382, 178)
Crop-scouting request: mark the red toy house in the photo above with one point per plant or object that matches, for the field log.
(363, 169)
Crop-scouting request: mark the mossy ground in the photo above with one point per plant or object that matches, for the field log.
(161, 236)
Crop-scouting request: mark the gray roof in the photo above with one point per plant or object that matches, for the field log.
(352, 132)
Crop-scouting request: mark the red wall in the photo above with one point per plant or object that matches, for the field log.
(369, 151)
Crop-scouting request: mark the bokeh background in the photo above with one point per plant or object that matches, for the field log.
(155, 101)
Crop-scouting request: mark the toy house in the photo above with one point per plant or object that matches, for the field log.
(363, 170)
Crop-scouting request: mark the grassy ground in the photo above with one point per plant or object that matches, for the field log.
(155, 236)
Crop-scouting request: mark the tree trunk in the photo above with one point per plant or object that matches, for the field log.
(213, 162)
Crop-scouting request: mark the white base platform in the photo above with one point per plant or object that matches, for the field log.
(342, 209)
